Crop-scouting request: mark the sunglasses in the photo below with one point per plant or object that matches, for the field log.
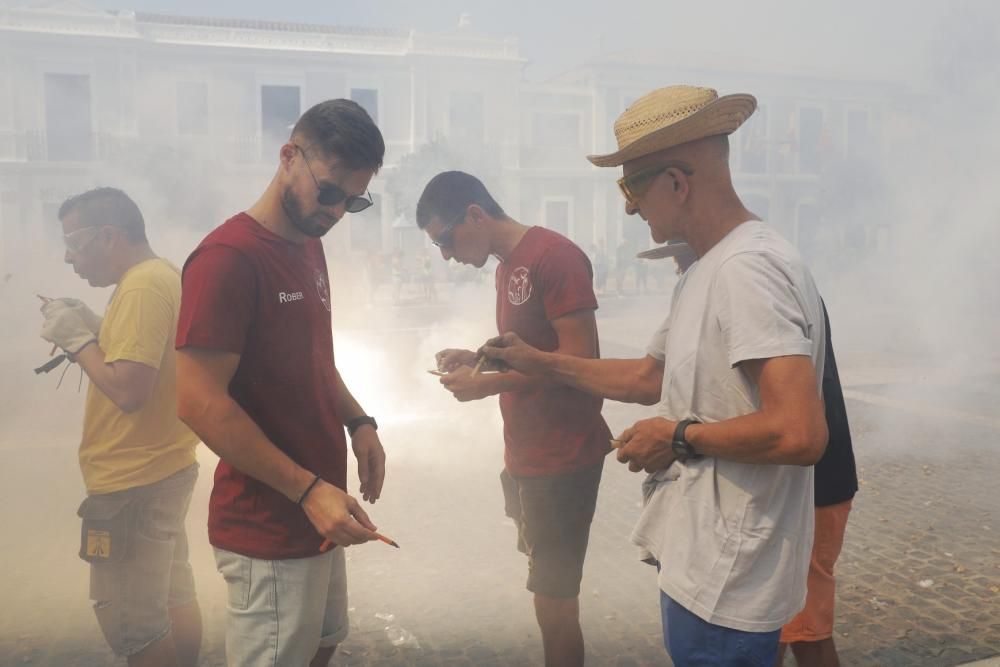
(446, 239)
(331, 195)
(77, 241)
(635, 185)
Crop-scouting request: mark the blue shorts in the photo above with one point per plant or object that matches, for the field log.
(692, 642)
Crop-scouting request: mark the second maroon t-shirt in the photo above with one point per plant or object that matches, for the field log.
(554, 429)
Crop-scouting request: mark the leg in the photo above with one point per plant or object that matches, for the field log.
(322, 657)
(694, 642)
(810, 634)
(562, 638)
(158, 654)
(185, 623)
(821, 653)
(275, 610)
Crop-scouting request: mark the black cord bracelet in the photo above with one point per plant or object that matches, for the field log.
(308, 489)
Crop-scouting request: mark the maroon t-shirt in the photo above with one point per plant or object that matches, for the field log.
(556, 429)
(248, 291)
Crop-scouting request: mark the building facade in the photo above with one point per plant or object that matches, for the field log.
(188, 114)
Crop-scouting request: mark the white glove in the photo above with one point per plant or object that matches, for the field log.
(90, 318)
(65, 326)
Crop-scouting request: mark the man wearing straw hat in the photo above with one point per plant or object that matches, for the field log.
(735, 372)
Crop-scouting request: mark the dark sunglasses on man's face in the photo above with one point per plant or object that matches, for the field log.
(331, 195)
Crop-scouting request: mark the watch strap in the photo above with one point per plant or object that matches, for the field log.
(356, 423)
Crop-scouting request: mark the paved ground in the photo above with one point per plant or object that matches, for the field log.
(919, 577)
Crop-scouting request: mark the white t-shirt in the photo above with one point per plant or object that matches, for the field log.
(733, 539)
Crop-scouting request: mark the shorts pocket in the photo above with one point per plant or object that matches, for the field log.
(237, 571)
(106, 527)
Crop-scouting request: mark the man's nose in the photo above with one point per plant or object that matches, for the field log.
(446, 253)
(630, 207)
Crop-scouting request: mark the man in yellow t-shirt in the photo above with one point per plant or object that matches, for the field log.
(137, 457)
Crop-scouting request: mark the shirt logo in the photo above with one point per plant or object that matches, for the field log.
(519, 286)
(323, 289)
(288, 297)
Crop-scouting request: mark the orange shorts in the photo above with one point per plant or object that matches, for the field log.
(815, 621)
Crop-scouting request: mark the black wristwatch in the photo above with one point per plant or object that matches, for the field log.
(683, 449)
(356, 423)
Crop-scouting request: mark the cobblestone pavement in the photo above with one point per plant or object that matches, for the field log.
(919, 579)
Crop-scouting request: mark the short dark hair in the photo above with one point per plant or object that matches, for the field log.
(450, 193)
(107, 206)
(343, 130)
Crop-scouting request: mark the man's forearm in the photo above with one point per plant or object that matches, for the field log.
(760, 438)
(228, 430)
(108, 378)
(624, 380)
(347, 406)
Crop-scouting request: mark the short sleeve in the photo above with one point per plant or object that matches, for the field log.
(760, 309)
(657, 347)
(567, 281)
(141, 328)
(218, 300)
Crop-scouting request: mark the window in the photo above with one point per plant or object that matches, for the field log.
(556, 216)
(192, 108)
(367, 98)
(279, 110)
(556, 129)
(465, 118)
(810, 140)
(859, 138)
(753, 144)
(68, 128)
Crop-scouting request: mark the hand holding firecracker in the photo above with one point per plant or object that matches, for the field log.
(66, 326)
(509, 351)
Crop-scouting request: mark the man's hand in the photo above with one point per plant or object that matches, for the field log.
(510, 351)
(451, 359)
(371, 461)
(65, 326)
(338, 516)
(465, 386)
(90, 318)
(647, 445)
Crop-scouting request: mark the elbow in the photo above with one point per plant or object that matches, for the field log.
(645, 391)
(805, 446)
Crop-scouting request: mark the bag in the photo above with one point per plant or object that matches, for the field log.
(104, 533)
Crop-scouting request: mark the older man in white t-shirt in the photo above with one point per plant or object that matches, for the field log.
(735, 372)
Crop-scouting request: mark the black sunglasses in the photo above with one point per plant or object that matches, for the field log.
(331, 195)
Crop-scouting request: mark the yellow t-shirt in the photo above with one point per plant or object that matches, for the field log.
(122, 450)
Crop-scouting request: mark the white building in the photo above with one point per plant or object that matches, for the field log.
(187, 115)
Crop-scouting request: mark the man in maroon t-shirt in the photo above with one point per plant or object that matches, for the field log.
(555, 437)
(257, 381)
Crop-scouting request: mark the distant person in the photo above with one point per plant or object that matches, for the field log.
(137, 458)
(735, 371)
(623, 258)
(555, 438)
(600, 261)
(258, 382)
(810, 634)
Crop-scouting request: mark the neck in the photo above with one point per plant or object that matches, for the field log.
(133, 255)
(713, 219)
(270, 214)
(505, 234)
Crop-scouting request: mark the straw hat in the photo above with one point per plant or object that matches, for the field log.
(672, 116)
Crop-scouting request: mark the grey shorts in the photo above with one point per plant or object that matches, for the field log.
(138, 552)
(280, 612)
(553, 515)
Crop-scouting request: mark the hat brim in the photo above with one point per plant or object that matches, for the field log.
(664, 251)
(723, 116)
